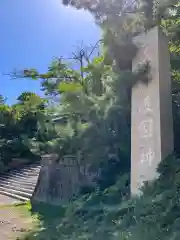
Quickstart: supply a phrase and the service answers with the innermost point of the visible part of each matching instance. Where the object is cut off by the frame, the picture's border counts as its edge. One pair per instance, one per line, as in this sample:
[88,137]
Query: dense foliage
[92,110]
[94,101]
[102,215]
[16,123]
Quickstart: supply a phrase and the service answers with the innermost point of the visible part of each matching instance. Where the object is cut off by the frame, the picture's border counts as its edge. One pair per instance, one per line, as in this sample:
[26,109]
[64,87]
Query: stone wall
[60,181]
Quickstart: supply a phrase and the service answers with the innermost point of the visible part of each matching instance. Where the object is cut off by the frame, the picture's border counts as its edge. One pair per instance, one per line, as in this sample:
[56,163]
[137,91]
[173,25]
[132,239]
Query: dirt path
[13,222]
[4,200]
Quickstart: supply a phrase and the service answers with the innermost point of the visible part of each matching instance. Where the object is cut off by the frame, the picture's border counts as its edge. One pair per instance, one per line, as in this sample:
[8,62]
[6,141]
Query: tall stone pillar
[151,113]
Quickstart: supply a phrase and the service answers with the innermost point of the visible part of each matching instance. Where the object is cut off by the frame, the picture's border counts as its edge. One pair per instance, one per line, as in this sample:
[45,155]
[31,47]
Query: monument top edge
[142,37]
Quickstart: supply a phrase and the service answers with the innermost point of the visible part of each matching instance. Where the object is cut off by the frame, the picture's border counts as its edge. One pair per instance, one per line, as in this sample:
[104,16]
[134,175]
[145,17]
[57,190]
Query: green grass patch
[46,211]
[13,205]
[46,217]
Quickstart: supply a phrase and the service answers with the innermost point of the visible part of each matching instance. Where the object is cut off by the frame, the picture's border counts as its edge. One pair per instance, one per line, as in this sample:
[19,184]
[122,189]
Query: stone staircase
[20,183]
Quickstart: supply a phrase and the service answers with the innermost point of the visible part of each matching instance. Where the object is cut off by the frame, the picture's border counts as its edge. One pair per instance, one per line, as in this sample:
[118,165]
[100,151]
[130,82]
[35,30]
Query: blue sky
[35,31]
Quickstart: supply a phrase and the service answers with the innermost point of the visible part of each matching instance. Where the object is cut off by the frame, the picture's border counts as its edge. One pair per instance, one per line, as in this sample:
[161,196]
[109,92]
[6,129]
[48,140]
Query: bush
[101,214]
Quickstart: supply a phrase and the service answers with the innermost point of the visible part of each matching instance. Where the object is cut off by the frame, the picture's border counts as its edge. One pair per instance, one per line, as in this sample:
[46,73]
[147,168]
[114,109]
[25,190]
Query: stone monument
[60,180]
[151,110]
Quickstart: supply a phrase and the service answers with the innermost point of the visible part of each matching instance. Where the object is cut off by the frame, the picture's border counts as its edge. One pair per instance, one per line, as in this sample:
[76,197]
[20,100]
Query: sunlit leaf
[69,87]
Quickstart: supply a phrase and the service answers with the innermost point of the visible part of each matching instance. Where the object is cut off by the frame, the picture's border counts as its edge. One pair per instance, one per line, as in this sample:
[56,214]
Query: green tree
[109,213]
[94,110]
[17,122]
[2,100]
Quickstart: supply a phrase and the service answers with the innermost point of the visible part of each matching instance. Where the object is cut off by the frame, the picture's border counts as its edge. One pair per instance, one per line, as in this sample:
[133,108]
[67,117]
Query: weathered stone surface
[151,113]
[60,181]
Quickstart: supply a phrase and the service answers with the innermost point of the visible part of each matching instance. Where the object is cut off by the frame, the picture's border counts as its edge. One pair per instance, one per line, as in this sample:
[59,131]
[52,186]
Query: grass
[45,218]
[20,221]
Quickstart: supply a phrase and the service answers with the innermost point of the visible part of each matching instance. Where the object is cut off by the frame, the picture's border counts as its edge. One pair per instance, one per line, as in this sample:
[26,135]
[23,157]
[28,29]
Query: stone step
[10,180]
[21,198]
[16,192]
[20,183]
[23,174]
[31,167]
[17,187]
[11,176]
[34,165]
[23,171]
[27,170]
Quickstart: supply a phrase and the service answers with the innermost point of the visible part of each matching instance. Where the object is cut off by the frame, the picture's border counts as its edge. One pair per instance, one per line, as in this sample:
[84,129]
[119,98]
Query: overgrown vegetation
[93,105]
[17,122]
[102,215]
